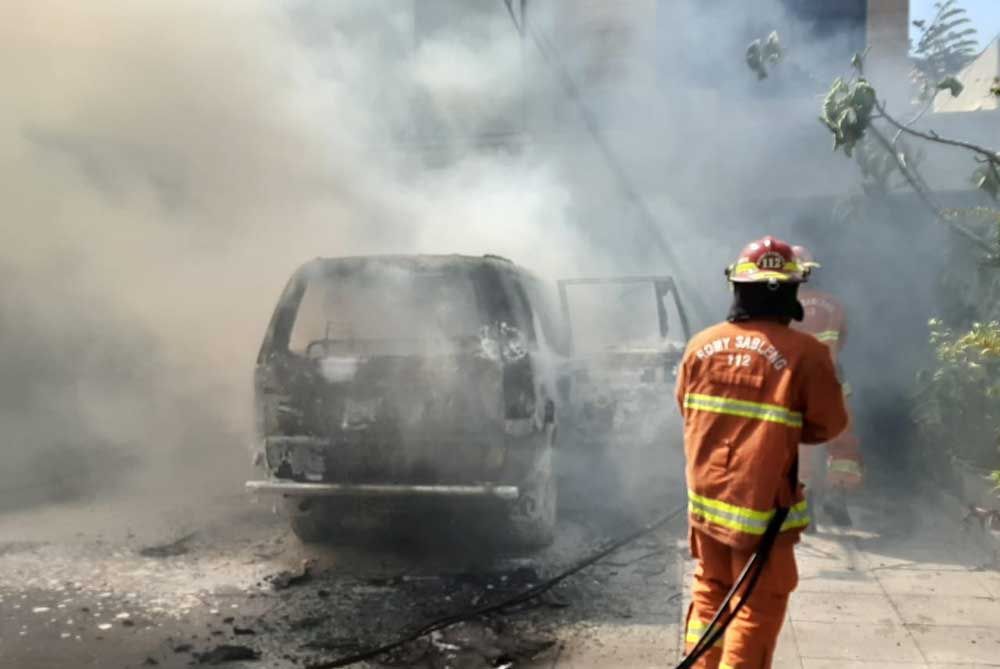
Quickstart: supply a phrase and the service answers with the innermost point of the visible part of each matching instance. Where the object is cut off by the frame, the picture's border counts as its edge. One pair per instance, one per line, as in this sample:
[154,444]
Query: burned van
[400,381]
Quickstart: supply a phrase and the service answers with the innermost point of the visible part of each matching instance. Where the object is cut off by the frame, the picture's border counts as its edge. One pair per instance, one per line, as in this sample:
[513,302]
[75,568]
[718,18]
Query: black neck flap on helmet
[762,300]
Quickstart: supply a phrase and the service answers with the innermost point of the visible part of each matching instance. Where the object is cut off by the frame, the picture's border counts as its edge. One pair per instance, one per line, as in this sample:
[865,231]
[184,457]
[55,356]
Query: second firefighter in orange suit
[750,391]
[826,319]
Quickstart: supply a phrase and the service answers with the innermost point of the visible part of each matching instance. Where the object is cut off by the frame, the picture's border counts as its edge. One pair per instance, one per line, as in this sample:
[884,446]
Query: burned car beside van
[399,381]
[618,414]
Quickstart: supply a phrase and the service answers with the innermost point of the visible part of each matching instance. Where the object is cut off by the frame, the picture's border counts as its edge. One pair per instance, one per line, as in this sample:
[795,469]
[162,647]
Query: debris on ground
[173,549]
[987,518]
[307,623]
[487,643]
[287,579]
[11,547]
[340,643]
[227,653]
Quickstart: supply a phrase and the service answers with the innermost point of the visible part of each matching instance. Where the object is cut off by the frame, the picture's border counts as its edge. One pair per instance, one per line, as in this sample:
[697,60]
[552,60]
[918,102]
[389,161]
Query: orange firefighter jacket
[750,393]
[824,319]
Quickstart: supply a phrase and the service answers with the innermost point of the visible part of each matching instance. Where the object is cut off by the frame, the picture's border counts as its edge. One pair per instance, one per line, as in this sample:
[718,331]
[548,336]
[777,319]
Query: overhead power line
[651,226]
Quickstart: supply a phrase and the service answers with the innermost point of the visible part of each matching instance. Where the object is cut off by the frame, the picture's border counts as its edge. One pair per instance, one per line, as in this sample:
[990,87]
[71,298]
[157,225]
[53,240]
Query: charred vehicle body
[617,410]
[403,380]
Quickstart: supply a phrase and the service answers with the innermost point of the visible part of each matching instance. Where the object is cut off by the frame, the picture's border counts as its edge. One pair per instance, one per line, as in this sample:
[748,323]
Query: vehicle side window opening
[661,309]
[504,302]
[507,304]
[279,330]
[672,312]
[606,316]
[551,330]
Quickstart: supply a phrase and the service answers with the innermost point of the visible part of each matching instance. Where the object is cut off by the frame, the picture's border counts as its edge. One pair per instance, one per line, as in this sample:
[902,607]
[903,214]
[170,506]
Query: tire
[532,521]
[311,530]
[313,521]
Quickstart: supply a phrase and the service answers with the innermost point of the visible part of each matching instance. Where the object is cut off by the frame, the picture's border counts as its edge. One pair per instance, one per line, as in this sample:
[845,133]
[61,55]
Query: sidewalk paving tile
[952,611]
[843,608]
[634,646]
[911,582]
[786,655]
[841,664]
[941,643]
[832,580]
[859,642]
[834,576]
[916,599]
[925,558]
[992,579]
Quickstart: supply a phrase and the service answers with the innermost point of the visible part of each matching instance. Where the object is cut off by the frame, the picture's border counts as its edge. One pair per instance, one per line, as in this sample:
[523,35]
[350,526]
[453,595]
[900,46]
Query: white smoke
[167,165]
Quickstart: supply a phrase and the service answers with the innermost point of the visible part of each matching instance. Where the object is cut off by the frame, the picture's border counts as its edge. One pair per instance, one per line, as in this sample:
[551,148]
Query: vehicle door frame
[662,287]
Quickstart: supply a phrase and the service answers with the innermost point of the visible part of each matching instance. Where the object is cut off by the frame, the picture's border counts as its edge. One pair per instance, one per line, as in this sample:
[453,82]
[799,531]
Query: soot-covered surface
[240,590]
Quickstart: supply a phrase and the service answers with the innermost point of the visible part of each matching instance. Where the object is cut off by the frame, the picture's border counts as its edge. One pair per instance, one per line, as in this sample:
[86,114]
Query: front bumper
[296,489]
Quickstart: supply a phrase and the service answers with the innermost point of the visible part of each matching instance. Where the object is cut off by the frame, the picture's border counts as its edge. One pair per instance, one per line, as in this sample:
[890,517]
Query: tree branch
[919,115]
[990,156]
[905,171]
[923,193]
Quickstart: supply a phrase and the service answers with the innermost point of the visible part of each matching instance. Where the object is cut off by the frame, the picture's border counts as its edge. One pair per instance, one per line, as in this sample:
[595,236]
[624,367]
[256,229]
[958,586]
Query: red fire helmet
[805,258]
[767,260]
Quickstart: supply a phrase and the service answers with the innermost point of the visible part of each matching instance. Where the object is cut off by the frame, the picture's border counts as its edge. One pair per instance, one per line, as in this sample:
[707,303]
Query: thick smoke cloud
[168,164]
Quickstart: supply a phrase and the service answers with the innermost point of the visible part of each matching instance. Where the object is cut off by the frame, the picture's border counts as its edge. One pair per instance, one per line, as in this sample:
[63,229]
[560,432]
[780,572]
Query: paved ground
[909,587]
[79,587]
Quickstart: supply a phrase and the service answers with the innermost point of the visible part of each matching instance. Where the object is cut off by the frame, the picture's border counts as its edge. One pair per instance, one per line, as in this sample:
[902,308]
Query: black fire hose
[527,595]
[752,570]
[716,628]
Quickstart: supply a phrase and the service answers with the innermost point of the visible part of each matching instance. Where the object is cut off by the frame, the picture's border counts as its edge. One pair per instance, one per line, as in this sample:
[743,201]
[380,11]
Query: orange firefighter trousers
[751,638]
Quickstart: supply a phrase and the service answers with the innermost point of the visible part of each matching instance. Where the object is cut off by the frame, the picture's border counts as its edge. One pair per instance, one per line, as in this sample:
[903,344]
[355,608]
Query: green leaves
[958,400]
[762,54]
[946,44]
[951,84]
[772,50]
[978,347]
[847,111]
[878,166]
[755,59]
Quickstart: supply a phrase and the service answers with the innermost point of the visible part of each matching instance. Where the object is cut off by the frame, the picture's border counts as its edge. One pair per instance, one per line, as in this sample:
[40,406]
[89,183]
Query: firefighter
[750,391]
[825,319]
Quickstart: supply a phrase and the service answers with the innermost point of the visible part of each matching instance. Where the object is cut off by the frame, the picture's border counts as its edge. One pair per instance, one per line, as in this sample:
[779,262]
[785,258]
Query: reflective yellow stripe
[828,335]
[844,467]
[696,630]
[752,267]
[725,507]
[798,517]
[743,519]
[732,407]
